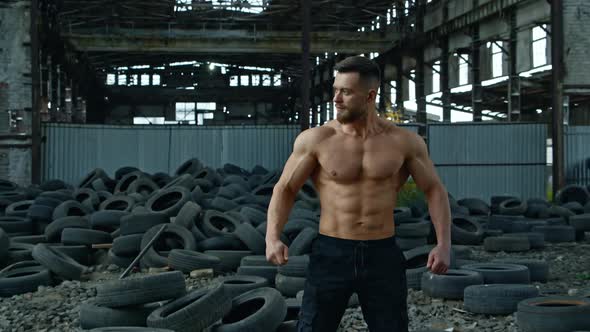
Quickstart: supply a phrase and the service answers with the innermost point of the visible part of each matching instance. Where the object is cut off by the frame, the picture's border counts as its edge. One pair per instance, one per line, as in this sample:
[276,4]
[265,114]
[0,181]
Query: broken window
[249,6]
[412,86]
[185,111]
[133,79]
[463,69]
[156,79]
[244,80]
[497,59]
[210,106]
[183,5]
[255,80]
[233,80]
[539,46]
[111,79]
[139,120]
[436,77]
[145,79]
[202,116]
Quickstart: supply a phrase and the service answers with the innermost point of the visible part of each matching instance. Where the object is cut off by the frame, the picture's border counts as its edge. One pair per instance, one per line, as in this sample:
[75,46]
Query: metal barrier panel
[485,159]
[71,151]
[473,160]
[245,146]
[577,155]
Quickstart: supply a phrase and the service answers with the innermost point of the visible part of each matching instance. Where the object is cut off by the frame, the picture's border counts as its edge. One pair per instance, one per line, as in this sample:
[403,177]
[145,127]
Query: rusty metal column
[323,111]
[400,15]
[444,70]
[58,99]
[35,93]
[399,83]
[444,80]
[420,96]
[382,90]
[557,83]
[50,85]
[420,72]
[305,65]
[514,82]
[476,92]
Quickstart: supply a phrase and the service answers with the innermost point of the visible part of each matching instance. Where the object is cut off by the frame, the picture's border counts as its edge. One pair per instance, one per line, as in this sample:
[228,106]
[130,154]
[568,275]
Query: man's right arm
[297,170]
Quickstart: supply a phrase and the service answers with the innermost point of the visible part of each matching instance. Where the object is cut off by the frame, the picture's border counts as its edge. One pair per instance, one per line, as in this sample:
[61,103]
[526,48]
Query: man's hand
[439,260]
[277,252]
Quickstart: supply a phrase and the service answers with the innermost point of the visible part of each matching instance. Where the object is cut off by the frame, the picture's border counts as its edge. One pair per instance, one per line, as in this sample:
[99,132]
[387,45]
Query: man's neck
[364,127]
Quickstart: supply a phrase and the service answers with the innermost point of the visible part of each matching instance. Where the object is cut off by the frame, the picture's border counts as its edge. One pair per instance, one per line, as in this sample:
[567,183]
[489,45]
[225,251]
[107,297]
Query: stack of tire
[564,220]
[213,219]
[410,231]
[161,301]
[216,219]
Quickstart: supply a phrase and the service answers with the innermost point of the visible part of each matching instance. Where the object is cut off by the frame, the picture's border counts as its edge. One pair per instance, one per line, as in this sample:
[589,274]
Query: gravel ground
[56,308]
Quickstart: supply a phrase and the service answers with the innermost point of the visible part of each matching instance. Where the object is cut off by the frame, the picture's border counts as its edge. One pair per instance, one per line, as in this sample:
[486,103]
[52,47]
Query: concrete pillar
[476,92]
[557,31]
[514,81]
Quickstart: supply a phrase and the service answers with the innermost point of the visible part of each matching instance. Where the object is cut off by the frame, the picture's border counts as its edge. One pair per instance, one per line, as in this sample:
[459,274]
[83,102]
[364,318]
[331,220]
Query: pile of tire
[161,301]
[213,219]
[502,286]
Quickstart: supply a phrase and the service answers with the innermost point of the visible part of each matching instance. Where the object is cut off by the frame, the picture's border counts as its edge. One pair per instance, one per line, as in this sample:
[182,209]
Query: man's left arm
[422,170]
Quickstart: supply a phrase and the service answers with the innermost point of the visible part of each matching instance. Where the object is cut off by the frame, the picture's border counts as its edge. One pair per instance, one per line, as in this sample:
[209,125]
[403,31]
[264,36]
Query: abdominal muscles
[357,210]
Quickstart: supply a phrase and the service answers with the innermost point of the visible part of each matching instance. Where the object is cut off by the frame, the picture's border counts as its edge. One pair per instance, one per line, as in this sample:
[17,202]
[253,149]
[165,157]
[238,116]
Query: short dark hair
[368,69]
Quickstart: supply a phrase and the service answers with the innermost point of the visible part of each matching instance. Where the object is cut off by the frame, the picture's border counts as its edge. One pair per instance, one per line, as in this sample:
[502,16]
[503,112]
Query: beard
[349,115]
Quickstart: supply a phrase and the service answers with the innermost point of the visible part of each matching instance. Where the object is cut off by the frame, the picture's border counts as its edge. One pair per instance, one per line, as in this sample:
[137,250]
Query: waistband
[380,243]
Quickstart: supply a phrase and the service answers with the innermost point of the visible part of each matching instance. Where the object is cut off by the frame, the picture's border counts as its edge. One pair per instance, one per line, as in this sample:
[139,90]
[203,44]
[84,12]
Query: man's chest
[350,159]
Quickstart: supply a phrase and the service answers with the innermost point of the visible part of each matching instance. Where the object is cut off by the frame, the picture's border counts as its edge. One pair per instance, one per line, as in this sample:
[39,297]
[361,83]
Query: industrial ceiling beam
[220,42]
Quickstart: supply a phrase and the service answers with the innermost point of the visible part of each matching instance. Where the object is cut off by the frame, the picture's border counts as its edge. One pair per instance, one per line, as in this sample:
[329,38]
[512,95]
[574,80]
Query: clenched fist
[277,252]
[439,260]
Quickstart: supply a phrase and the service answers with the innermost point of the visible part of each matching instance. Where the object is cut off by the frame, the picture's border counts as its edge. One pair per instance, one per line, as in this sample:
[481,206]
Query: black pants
[373,269]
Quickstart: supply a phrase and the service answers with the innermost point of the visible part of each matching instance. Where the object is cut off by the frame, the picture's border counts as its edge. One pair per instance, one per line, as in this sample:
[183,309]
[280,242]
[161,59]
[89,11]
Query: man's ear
[372,95]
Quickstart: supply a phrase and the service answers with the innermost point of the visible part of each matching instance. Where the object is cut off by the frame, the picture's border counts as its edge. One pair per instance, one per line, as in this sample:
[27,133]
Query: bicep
[299,166]
[421,168]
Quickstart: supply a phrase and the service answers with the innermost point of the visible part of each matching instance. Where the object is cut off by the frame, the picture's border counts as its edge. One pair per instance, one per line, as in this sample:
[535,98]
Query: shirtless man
[358,165]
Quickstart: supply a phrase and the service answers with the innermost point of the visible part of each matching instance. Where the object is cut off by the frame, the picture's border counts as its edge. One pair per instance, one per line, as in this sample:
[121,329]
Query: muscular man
[358,164]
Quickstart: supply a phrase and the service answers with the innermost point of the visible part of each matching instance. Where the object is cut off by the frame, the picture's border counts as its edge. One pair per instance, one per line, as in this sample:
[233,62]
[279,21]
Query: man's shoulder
[316,135]
[401,133]
[406,141]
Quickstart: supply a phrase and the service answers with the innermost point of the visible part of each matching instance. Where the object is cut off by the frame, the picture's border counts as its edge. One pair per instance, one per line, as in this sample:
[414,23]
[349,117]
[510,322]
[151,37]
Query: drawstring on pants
[361,245]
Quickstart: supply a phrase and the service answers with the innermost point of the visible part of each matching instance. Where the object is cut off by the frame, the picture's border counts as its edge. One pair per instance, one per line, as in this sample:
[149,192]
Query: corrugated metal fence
[485,159]
[577,155]
[473,160]
[71,151]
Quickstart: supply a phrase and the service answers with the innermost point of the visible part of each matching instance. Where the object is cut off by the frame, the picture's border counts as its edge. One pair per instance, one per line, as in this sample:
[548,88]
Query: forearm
[438,206]
[279,208]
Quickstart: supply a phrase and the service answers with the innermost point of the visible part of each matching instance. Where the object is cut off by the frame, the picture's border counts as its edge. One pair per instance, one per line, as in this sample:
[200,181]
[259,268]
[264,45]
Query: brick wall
[15,57]
[576,16]
[15,86]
